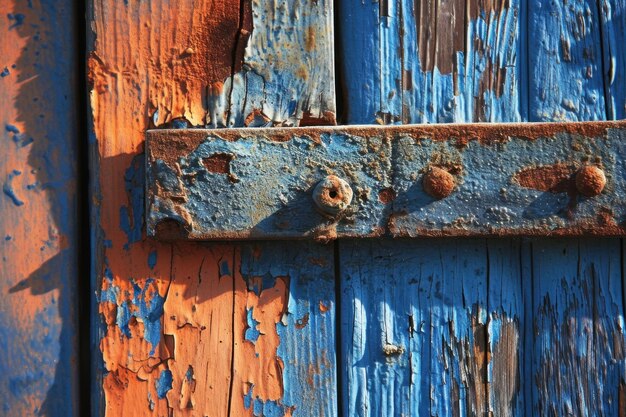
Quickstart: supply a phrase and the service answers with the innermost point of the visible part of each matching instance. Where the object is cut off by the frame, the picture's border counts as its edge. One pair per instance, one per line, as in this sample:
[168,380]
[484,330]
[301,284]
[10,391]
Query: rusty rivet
[332,195]
[438,183]
[590,181]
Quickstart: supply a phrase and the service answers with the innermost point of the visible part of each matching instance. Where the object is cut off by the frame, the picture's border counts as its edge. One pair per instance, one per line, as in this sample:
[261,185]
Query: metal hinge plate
[539,179]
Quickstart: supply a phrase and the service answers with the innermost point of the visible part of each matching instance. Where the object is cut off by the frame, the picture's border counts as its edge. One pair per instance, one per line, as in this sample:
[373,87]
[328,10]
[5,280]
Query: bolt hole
[332,194]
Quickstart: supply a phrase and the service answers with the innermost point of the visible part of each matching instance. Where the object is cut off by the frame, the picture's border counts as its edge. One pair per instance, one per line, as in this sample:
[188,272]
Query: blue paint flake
[164,383]
[7,188]
[131,216]
[5,72]
[12,129]
[149,309]
[252,333]
[17,19]
[152,259]
[7,237]
[224,269]
[189,374]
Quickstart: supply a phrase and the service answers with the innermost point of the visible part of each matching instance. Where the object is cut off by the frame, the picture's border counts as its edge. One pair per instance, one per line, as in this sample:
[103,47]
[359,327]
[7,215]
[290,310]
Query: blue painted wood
[565,62]
[414,327]
[38,209]
[461,62]
[577,307]
[506,333]
[578,349]
[430,61]
[613,30]
[306,329]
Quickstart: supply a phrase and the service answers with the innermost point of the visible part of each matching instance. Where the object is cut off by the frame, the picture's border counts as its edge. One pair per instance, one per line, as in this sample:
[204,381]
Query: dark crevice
[488,307]
[232,335]
[608,105]
[83,292]
[338,333]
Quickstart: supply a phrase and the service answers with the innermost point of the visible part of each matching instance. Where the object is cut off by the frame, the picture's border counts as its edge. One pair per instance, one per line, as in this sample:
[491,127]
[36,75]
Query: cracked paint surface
[172,318]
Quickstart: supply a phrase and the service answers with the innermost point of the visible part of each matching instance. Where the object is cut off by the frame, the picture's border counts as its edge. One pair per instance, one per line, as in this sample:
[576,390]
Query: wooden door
[439,327]
[421,327]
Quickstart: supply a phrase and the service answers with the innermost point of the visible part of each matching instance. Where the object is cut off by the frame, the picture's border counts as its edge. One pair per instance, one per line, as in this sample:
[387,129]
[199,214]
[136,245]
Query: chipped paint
[39,278]
[432,61]
[184,308]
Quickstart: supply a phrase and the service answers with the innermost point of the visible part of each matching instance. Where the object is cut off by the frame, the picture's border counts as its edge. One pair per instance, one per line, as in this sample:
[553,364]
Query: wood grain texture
[453,61]
[430,61]
[413,319]
[38,205]
[172,320]
[578,349]
[613,30]
[565,62]
[577,308]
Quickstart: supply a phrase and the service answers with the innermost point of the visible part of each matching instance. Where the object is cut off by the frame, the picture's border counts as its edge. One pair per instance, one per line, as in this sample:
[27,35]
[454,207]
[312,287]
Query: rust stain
[256,118]
[218,163]
[386,195]
[555,178]
[309,39]
[303,322]
[323,307]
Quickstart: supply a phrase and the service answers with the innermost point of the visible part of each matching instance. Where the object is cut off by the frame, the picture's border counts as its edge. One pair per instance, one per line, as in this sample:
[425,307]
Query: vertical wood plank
[434,61]
[39,89]
[506,371]
[174,320]
[577,307]
[578,352]
[565,61]
[430,61]
[613,18]
[413,317]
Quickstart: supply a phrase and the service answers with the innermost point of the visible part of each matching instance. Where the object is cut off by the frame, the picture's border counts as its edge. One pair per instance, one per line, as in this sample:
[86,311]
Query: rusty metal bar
[531,179]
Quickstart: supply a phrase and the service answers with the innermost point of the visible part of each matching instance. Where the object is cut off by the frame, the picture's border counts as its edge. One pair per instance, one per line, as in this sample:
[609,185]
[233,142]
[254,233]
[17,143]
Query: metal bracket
[543,179]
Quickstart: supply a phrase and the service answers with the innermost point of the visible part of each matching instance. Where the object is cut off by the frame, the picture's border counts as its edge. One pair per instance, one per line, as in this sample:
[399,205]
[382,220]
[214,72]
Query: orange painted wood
[192,329]
[39,247]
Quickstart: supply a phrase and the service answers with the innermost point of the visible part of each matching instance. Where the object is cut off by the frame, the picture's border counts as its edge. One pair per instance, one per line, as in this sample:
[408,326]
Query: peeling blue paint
[252,333]
[164,383]
[149,311]
[17,19]
[5,72]
[152,259]
[8,190]
[225,269]
[131,216]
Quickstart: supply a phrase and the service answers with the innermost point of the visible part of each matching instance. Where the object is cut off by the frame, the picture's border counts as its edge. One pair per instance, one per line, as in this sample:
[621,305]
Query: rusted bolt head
[590,181]
[438,183]
[332,195]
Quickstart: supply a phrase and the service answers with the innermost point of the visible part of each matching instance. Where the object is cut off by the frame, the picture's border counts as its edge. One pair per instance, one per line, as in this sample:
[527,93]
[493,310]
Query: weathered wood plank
[414,328]
[460,62]
[172,319]
[566,81]
[577,307]
[38,223]
[430,61]
[613,18]
[506,338]
[578,352]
